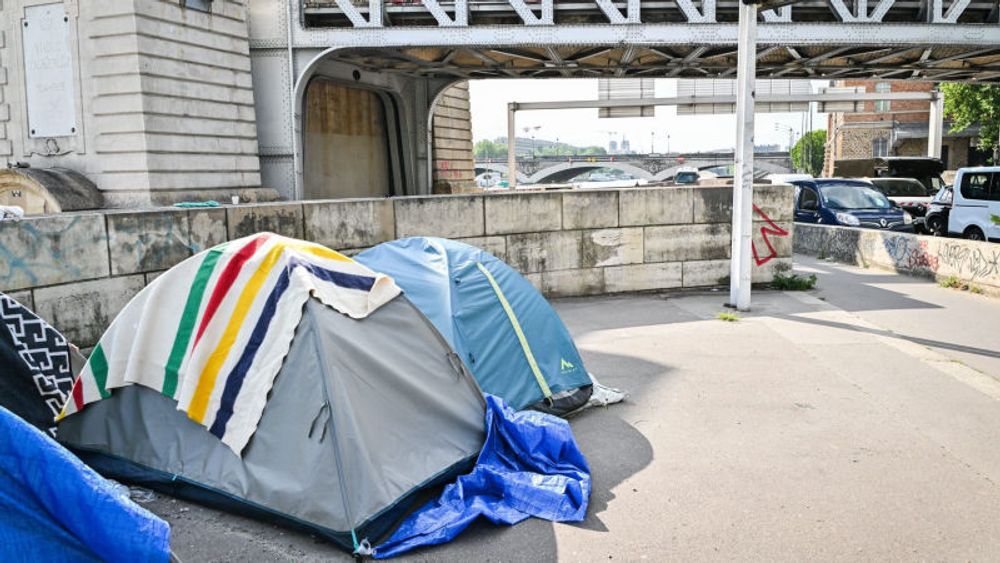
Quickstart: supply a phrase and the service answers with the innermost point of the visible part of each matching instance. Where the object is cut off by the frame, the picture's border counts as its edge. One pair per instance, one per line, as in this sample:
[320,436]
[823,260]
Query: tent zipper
[362,546]
[517,330]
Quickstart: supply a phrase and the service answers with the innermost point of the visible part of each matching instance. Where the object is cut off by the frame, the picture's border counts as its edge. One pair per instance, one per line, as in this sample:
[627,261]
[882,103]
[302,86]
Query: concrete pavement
[802,431]
[961,325]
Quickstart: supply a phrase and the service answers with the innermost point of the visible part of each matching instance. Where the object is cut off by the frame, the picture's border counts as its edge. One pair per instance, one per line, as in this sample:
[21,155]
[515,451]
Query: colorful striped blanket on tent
[212,332]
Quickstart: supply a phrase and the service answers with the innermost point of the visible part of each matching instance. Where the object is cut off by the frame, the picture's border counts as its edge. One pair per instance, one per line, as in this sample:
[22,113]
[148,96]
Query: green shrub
[793,282]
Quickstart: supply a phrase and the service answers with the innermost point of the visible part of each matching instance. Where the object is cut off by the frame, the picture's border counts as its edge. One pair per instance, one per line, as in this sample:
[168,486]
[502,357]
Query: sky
[582,127]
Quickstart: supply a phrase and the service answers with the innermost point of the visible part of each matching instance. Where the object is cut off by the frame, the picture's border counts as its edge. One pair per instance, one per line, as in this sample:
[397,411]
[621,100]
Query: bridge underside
[683,61]
[894,39]
[406,52]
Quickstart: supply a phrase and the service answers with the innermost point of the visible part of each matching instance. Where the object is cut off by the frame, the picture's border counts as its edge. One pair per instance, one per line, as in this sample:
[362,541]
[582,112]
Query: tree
[489,149]
[807,154]
[968,104]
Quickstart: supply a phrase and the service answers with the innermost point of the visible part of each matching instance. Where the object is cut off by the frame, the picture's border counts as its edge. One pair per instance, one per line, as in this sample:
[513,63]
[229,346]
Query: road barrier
[969,264]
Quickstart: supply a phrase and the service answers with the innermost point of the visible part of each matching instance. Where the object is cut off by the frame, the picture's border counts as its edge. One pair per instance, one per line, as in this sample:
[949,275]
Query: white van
[976,203]
[787,178]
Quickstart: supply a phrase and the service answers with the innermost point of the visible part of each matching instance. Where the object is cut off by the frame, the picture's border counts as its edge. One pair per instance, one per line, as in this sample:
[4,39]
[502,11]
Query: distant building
[626,149]
[894,128]
[774,147]
[613,147]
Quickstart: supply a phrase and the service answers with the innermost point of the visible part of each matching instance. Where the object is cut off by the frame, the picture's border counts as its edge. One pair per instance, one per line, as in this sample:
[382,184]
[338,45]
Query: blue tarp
[447,280]
[530,465]
[55,508]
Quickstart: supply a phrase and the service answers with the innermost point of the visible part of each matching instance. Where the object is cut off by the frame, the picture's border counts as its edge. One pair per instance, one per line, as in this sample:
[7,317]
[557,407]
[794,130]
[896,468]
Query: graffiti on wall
[910,253]
[968,260]
[769,229]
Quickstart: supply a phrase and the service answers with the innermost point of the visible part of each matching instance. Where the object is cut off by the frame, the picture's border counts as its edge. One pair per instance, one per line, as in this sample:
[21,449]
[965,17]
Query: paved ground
[960,325]
[802,431]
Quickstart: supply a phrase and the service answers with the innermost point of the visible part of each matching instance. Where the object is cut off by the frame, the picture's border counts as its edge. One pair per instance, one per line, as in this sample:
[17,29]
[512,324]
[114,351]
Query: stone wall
[454,166]
[976,264]
[79,269]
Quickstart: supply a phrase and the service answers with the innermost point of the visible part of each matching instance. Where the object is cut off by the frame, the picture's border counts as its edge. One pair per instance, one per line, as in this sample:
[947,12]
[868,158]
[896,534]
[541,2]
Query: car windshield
[901,188]
[687,177]
[944,195]
[853,196]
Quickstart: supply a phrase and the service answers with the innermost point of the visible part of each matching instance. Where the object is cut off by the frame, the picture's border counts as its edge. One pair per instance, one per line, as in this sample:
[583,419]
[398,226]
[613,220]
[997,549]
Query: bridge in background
[651,167]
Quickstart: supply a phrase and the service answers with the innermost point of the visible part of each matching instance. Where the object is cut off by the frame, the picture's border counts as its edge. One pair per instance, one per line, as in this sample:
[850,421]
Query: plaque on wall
[48,72]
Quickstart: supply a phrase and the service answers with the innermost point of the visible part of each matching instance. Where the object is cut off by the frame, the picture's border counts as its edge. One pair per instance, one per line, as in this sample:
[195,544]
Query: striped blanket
[212,332]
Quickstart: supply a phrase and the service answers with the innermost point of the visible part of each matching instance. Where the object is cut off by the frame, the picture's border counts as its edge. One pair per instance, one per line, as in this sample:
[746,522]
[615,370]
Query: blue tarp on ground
[529,466]
[55,508]
[463,290]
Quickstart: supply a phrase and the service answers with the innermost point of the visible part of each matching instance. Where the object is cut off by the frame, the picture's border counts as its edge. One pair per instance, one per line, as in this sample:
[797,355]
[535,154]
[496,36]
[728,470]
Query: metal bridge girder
[615,16]
[706,15]
[528,16]
[461,18]
[939,15]
[358,20]
[861,13]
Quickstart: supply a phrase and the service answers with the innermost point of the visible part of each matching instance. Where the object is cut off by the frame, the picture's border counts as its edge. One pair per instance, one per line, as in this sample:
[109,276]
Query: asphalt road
[801,432]
[961,325]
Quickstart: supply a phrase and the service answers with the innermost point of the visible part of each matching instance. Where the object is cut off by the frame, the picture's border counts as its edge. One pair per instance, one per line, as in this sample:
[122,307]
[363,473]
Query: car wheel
[974,233]
[935,226]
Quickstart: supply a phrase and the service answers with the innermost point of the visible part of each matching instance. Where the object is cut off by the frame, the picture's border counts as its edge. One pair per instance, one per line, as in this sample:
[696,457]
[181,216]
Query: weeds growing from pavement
[728,317]
[793,282]
[951,282]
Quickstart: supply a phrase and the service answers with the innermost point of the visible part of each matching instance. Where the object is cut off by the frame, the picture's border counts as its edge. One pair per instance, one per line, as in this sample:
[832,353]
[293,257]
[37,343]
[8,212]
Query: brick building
[894,128]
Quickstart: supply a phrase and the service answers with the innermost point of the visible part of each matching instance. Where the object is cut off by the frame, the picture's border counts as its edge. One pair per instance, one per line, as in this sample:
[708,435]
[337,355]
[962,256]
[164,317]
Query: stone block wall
[976,264]
[454,167]
[79,269]
[164,105]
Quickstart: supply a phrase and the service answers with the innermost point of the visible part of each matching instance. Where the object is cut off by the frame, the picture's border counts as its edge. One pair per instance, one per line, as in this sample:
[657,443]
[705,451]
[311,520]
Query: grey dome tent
[363,415]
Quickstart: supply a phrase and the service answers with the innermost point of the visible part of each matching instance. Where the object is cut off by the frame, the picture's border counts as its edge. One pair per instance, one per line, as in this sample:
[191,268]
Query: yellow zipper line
[517,329]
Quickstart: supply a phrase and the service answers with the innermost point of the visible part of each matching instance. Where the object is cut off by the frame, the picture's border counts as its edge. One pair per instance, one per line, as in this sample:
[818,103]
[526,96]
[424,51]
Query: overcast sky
[582,126]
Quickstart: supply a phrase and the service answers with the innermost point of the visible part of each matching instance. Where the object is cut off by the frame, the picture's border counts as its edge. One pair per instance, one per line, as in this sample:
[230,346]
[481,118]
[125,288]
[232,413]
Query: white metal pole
[746,71]
[511,146]
[935,127]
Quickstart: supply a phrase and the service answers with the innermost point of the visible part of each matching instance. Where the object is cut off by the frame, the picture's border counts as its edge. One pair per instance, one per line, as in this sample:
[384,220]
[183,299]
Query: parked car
[936,219]
[907,193]
[975,210]
[926,170]
[850,203]
[686,175]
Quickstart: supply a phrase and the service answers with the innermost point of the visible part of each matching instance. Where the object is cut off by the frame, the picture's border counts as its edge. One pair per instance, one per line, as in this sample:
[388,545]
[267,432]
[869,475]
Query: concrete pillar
[746,72]
[511,146]
[935,126]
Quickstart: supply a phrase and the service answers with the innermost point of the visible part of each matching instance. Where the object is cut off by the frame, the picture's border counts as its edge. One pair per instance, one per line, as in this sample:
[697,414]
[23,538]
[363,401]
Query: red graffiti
[771,228]
[920,258]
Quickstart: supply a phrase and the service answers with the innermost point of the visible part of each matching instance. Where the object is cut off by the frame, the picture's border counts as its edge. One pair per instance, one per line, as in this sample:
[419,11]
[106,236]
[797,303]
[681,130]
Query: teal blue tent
[509,336]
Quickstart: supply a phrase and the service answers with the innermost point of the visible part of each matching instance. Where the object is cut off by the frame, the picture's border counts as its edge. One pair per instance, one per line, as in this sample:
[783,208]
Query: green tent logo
[565,366]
